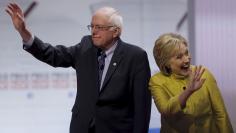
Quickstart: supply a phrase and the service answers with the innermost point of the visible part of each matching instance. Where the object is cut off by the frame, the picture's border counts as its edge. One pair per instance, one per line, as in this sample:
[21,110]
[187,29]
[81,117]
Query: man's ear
[117,32]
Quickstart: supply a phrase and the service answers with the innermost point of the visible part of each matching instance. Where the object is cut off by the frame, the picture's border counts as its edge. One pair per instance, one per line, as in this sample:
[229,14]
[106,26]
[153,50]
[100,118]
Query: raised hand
[17,16]
[18,20]
[194,84]
[196,81]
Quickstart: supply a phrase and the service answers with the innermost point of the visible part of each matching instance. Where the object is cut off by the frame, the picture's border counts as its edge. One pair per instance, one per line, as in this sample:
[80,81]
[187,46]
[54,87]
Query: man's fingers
[20,17]
[17,6]
[14,5]
[14,10]
[9,12]
[10,8]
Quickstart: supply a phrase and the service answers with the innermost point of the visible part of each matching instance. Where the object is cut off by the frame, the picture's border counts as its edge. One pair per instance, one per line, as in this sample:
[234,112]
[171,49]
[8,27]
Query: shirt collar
[111,49]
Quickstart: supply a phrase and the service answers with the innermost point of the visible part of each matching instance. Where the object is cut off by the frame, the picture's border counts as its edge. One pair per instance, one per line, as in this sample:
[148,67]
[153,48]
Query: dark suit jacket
[124,103]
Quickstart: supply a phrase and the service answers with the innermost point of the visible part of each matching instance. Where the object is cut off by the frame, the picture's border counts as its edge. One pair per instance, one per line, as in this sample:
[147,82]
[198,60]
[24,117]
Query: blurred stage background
[35,97]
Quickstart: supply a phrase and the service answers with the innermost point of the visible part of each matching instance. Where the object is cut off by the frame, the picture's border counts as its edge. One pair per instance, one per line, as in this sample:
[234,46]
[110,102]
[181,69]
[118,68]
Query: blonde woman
[187,96]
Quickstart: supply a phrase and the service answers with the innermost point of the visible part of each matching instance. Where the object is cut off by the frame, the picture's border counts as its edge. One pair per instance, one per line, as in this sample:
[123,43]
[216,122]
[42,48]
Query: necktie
[101,64]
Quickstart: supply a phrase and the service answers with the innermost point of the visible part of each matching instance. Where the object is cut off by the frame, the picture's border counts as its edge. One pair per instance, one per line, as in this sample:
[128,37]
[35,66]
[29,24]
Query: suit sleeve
[222,120]
[56,56]
[141,96]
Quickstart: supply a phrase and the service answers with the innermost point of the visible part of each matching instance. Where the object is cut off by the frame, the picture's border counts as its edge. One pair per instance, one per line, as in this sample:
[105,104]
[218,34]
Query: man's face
[180,62]
[103,33]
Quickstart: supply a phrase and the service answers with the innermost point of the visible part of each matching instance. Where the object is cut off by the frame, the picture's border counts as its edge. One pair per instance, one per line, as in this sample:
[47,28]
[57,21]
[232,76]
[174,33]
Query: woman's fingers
[199,70]
[202,81]
[196,80]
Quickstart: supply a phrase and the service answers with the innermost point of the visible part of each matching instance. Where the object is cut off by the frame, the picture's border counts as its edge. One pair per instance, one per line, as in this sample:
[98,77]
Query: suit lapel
[116,58]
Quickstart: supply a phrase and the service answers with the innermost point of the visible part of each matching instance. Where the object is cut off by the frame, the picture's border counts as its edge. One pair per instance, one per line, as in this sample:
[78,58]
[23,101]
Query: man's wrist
[30,41]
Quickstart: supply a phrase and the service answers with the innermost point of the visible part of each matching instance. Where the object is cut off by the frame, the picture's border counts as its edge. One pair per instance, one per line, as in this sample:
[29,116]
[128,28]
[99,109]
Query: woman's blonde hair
[164,48]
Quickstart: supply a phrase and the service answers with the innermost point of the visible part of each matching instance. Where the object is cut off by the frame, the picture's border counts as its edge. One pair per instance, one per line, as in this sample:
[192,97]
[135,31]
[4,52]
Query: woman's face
[180,61]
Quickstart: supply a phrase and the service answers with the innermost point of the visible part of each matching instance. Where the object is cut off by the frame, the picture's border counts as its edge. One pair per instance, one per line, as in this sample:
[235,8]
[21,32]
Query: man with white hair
[112,76]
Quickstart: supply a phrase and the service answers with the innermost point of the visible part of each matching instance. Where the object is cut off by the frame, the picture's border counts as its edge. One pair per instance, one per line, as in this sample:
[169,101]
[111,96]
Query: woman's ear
[168,69]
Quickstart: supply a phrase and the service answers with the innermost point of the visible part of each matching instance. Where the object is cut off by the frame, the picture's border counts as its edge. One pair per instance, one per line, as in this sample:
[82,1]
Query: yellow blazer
[204,112]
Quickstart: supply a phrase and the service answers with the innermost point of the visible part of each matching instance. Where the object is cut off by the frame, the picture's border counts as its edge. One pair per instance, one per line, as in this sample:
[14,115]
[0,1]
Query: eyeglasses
[99,27]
